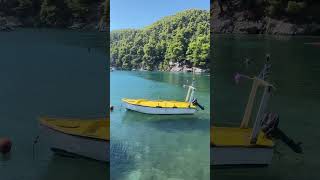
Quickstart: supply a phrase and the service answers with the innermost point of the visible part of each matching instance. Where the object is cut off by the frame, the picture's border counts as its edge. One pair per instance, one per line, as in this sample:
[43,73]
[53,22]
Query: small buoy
[5,145]
[111,108]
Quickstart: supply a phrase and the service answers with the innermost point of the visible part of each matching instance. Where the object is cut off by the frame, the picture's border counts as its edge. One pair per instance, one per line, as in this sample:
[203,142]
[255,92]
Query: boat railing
[190,93]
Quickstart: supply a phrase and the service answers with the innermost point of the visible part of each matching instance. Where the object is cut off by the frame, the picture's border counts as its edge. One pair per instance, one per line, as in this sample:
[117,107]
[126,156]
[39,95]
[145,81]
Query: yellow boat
[245,145]
[84,137]
[189,106]
[254,145]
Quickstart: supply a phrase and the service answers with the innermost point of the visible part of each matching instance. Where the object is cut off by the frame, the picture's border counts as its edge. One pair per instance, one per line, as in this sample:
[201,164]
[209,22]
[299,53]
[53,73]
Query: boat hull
[92,148]
[152,110]
[240,156]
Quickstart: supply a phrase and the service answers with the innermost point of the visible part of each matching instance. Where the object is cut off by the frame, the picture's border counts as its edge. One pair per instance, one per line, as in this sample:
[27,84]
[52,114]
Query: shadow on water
[242,173]
[60,167]
[168,123]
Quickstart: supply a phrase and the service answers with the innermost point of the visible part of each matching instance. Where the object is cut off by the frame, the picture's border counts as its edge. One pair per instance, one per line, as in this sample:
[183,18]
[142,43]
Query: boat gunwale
[244,146]
[44,123]
[160,106]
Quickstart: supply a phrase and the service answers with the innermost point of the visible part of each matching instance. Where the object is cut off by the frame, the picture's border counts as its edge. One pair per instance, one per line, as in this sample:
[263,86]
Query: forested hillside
[179,39]
[290,17]
[78,14]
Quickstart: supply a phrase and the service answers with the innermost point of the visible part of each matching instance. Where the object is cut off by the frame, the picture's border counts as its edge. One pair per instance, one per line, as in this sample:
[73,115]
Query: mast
[257,82]
[190,93]
[261,111]
[248,111]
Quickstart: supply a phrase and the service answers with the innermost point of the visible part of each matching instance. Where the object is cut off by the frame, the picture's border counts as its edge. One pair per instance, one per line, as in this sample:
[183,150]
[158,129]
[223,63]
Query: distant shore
[10,23]
[174,69]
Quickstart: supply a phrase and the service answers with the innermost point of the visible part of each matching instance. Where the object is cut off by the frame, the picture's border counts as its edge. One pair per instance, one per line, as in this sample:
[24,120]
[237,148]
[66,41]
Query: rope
[35,141]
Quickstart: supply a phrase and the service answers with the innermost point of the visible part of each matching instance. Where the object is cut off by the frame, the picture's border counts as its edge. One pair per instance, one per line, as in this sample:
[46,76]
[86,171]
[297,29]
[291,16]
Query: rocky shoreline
[174,68]
[10,23]
[240,22]
[179,67]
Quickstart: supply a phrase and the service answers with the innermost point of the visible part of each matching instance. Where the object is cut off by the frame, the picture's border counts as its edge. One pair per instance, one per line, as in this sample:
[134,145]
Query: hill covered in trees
[77,14]
[181,39]
[288,17]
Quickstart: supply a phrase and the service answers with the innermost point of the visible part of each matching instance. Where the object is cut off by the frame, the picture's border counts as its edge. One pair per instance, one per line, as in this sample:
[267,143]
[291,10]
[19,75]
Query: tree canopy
[294,10]
[183,38]
[53,12]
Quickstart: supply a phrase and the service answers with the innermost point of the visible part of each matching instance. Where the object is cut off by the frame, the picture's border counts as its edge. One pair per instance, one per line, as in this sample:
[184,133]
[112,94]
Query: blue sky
[140,13]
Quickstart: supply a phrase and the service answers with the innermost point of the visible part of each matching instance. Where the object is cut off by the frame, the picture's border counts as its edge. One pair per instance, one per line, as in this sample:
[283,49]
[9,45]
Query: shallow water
[295,73]
[158,146]
[49,72]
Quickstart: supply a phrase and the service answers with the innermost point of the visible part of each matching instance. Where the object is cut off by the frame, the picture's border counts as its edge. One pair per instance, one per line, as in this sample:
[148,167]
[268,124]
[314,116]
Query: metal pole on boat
[248,111]
[188,94]
[192,93]
[261,111]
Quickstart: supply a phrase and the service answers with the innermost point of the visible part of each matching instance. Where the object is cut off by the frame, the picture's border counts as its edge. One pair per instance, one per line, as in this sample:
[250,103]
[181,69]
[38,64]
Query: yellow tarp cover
[159,103]
[230,136]
[92,128]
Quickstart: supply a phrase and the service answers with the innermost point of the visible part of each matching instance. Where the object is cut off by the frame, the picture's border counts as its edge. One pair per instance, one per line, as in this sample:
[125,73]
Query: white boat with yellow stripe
[169,107]
[82,137]
[243,145]
[246,145]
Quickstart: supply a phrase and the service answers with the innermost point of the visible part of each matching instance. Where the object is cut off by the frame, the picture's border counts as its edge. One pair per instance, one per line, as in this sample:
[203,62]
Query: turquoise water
[158,146]
[295,73]
[49,72]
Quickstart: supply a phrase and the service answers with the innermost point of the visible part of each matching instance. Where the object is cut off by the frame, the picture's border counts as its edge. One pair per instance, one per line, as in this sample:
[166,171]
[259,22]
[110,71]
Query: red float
[5,145]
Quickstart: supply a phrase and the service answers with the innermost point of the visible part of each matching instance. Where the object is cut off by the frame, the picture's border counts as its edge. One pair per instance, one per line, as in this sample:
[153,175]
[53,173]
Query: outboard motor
[195,102]
[269,125]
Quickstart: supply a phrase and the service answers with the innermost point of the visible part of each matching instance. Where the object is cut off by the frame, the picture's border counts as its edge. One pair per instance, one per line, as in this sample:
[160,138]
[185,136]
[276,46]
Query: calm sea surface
[145,147]
[49,72]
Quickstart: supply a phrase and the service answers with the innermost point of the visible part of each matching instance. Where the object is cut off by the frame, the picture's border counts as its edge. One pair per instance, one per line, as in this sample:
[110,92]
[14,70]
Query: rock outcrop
[181,67]
[9,23]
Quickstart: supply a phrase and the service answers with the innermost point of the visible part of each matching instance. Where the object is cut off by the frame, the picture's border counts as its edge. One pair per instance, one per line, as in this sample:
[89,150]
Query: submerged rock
[4,25]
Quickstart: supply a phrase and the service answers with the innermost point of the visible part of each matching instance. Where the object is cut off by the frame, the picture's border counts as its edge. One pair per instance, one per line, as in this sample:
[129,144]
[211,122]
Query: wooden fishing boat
[246,145]
[83,137]
[189,106]
[243,145]
[159,106]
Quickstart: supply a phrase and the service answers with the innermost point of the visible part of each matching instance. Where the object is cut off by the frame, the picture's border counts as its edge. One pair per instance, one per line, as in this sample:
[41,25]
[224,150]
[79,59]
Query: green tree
[54,13]
[182,38]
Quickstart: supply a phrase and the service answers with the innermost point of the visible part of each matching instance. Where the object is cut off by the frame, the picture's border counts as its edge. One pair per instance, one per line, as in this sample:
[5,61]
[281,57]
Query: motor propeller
[195,102]
[269,126]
